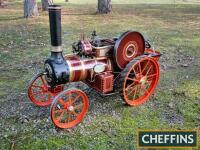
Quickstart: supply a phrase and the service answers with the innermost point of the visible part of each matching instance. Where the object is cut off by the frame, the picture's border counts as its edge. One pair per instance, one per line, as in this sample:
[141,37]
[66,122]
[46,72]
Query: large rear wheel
[138,80]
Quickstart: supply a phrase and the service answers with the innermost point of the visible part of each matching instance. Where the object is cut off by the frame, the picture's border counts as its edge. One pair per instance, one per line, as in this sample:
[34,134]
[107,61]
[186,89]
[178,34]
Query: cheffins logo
[167,139]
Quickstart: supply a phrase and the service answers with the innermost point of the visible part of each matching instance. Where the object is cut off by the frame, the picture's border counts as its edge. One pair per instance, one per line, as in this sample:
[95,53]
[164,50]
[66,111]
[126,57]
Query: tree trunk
[45,4]
[30,8]
[2,3]
[104,6]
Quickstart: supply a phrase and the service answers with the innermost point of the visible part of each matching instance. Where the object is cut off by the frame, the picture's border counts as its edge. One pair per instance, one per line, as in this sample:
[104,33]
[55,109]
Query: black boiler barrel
[55,27]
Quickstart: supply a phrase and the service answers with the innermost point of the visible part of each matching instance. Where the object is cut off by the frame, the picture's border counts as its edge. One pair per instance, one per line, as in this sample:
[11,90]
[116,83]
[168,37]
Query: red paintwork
[154,53]
[103,82]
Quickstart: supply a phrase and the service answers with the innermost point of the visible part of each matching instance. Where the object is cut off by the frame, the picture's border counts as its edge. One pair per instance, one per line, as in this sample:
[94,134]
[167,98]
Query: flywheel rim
[124,41]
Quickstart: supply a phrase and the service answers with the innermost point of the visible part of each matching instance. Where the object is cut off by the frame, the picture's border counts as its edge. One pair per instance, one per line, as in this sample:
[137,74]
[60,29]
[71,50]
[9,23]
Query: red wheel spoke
[132,79]
[74,113]
[77,97]
[70,96]
[139,67]
[148,84]
[61,115]
[69,117]
[132,90]
[149,81]
[42,96]
[129,86]
[145,90]
[36,93]
[78,106]
[37,86]
[145,67]
[135,92]
[152,75]
[135,72]
[58,111]
[43,82]
[141,92]
[139,89]
[61,101]
[148,70]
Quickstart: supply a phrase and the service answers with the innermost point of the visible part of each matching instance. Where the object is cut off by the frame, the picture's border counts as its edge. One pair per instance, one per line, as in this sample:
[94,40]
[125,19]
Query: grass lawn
[173,29]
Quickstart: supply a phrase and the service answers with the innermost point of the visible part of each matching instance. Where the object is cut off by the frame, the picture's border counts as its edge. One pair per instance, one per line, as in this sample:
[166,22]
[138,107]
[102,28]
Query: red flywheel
[128,46]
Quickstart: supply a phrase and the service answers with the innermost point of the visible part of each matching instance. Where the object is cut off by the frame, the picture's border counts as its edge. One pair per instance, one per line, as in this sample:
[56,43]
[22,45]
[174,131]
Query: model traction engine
[125,65]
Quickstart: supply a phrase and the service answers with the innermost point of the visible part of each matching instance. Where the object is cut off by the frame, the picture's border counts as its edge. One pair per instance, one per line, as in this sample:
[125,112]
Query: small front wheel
[40,93]
[69,108]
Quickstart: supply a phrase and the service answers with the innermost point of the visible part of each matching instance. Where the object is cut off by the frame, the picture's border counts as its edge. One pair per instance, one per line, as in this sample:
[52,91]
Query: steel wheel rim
[141,81]
[38,91]
[72,109]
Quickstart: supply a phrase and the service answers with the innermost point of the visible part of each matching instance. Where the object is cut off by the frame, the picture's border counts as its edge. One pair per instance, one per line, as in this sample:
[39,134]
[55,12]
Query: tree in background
[104,6]
[45,4]
[30,8]
[2,4]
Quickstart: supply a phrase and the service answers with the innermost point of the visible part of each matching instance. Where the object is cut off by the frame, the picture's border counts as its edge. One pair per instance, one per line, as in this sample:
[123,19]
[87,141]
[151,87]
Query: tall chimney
[55,27]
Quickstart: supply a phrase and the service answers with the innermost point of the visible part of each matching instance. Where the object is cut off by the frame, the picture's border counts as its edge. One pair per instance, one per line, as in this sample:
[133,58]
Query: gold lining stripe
[54,8]
[101,58]
[82,70]
[56,49]
[109,64]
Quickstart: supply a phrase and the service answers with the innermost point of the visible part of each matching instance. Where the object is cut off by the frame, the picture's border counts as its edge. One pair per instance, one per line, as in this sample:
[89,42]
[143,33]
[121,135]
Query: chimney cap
[53,7]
